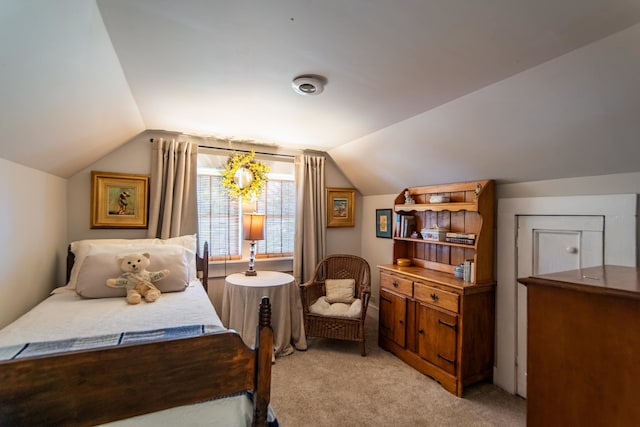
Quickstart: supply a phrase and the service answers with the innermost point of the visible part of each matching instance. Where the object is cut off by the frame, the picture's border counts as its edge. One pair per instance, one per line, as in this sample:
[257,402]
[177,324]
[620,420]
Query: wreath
[257,169]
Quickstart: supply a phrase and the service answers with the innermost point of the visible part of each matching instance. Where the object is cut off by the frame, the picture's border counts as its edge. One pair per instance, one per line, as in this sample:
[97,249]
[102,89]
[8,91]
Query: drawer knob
[434,297]
[395,284]
[421,331]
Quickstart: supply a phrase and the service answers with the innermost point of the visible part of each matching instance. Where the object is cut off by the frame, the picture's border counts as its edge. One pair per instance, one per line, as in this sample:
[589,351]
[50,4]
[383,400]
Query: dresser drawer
[436,297]
[397,284]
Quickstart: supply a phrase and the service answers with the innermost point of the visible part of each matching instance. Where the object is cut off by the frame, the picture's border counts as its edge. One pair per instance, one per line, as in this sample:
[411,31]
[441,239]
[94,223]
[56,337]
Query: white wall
[376,250]
[133,157]
[619,212]
[65,99]
[33,236]
[624,183]
[343,240]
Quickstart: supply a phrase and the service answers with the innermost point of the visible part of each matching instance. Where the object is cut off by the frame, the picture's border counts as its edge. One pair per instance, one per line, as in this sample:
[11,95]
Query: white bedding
[65,314]
[229,412]
[233,411]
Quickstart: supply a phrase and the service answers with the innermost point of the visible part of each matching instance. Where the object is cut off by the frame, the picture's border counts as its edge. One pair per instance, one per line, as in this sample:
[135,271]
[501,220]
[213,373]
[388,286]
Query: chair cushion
[340,290]
[338,309]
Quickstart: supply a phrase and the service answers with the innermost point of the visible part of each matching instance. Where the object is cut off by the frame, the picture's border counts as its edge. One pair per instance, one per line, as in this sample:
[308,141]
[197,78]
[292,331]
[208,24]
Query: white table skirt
[241,299]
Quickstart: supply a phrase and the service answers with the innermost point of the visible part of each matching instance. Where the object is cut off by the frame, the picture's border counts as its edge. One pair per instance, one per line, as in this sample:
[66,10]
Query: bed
[98,360]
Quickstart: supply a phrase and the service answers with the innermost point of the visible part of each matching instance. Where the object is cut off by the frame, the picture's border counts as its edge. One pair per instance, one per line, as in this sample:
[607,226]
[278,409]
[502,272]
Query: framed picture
[383,223]
[340,207]
[119,200]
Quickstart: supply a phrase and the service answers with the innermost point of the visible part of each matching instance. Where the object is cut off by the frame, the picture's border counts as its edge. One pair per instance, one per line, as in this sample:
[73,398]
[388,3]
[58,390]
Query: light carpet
[330,384]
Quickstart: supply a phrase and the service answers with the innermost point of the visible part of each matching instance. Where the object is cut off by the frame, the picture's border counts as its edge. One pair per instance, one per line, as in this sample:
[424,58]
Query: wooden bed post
[264,345]
[203,266]
[70,260]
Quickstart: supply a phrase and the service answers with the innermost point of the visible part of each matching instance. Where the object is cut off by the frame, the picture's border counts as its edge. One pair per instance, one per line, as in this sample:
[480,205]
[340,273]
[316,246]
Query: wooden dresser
[583,360]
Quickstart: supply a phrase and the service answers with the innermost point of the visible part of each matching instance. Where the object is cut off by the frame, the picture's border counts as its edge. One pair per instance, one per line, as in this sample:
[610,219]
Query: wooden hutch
[440,324]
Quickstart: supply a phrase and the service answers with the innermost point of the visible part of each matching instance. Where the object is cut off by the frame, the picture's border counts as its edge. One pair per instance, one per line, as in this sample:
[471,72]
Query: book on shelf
[460,238]
[468,271]
[405,224]
[408,225]
[461,235]
[459,241]
[398,225]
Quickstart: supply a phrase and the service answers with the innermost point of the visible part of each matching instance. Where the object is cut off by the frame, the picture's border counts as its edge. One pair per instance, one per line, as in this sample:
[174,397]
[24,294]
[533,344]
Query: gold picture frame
[340,207]
[119,200]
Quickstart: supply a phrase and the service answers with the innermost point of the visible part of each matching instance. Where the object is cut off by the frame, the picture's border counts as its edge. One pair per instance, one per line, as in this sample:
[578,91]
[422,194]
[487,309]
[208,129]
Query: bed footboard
[99,386]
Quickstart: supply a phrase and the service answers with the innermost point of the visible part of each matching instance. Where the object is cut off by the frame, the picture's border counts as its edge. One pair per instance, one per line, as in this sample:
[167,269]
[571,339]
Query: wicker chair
[342,328]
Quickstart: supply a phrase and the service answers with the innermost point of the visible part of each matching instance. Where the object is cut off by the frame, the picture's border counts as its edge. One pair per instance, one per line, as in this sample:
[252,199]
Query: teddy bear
[136,279]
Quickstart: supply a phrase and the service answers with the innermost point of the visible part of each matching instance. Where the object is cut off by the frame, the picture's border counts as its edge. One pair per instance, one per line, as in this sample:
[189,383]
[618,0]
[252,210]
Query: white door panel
[547,244]
[620,248]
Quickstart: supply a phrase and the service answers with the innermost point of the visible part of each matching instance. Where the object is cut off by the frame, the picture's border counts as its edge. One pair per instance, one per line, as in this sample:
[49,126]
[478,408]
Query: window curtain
[172,200]
[310,236]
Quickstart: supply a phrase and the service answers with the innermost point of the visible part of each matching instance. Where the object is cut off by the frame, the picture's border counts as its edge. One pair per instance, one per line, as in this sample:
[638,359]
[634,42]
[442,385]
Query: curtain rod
[244,151]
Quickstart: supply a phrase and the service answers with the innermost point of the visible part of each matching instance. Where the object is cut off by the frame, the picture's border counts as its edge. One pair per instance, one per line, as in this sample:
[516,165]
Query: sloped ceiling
[577,115]
[64,98]
[418,92]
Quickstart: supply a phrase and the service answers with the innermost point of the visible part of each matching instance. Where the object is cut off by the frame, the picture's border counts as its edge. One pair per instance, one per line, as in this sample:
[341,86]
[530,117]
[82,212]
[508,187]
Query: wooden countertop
[449,280]
[605,280]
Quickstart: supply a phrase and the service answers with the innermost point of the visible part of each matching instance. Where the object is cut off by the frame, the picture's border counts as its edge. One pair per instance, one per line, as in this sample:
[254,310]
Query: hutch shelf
[438,323]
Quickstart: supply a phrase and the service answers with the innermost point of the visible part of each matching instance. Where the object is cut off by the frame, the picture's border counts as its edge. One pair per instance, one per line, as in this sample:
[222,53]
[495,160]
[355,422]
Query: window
[278,202]
[217,218]
[220,216]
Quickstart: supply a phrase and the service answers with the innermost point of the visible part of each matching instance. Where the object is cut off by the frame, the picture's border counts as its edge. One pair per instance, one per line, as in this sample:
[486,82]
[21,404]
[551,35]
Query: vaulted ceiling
[418,91]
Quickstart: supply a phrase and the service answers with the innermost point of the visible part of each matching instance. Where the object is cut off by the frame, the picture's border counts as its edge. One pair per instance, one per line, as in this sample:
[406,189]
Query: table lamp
[253,229]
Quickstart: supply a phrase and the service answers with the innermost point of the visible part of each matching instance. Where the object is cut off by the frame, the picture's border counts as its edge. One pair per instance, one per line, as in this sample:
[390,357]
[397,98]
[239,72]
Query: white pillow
[190,242]
[93,274]
[80,249]
[340,290]
[101,263]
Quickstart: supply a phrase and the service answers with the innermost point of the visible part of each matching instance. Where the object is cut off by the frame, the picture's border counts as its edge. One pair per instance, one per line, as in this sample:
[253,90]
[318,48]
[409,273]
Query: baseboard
[373,312]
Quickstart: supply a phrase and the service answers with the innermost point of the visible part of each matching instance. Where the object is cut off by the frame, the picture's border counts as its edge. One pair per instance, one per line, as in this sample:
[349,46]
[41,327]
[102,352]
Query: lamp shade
[253,226]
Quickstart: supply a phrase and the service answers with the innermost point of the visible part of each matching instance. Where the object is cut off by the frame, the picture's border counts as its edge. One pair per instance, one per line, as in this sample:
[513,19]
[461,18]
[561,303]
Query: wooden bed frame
[98,386]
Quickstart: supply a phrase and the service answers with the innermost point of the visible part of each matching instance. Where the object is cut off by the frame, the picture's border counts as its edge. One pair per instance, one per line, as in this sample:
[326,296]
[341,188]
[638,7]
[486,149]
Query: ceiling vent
[308,85]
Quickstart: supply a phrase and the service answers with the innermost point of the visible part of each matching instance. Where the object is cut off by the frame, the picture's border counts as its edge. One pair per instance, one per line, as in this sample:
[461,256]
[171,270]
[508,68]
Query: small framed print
[119,200]
[383,223]
[340,207]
